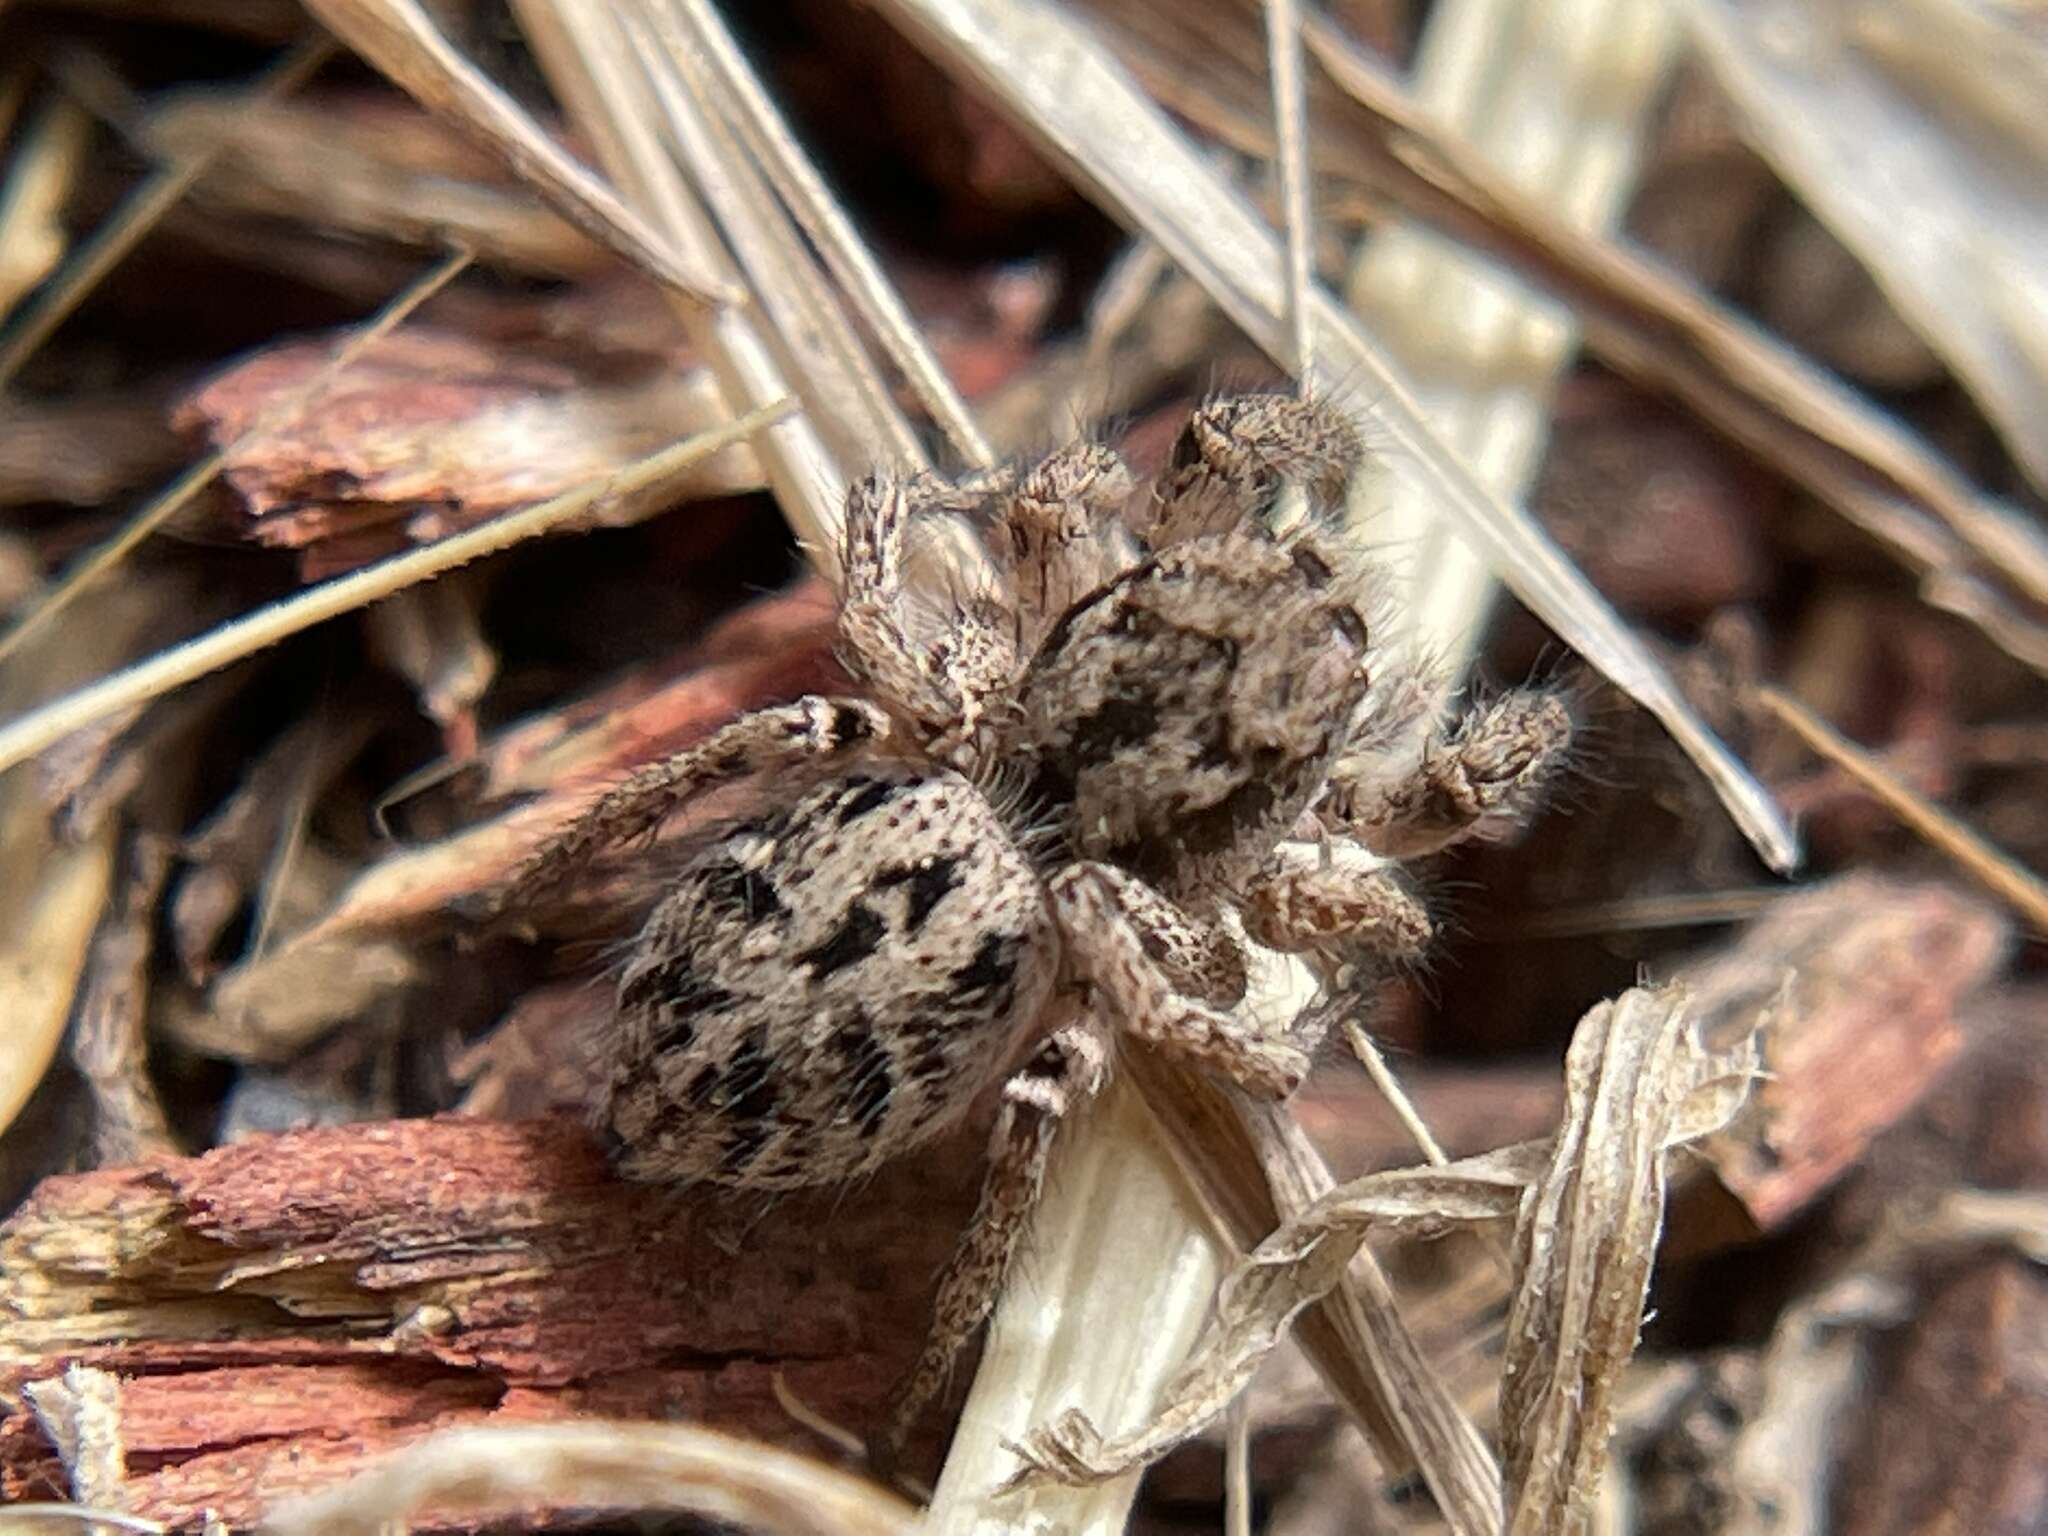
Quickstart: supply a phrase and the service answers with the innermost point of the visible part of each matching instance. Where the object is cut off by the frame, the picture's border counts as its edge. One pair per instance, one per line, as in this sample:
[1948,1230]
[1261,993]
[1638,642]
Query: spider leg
[947,670]
[874,611]
[1094,905]
[1061,535]
[1479,777]
[808,729]
[1332,903]
[1199,957]
[1234,457]
[1069,1067]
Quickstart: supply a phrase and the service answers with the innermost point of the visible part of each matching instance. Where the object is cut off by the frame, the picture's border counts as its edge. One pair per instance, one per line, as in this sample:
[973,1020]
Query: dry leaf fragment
[1638,1082]
[42,174]
[1588,1205]
[1882,970]
[109,1045]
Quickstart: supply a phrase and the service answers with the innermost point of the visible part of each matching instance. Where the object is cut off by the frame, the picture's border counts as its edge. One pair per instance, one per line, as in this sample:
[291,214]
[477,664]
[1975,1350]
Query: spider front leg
[942,669]
[1234,457]
[813,727]
[1068,1069]
[1105,915]
[1481,777]
[1331,903]
[1061,535]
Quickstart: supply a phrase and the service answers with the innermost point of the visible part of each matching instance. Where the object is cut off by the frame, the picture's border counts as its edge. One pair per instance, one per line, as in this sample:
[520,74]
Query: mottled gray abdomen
[829,985]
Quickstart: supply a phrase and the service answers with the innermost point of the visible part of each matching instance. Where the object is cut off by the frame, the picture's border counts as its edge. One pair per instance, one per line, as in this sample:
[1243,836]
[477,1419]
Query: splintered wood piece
[279,1310]
[1872,972]
[434,432]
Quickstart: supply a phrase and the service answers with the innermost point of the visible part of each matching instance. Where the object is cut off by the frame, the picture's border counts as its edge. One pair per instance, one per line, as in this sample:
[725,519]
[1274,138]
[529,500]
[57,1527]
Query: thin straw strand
[185,663]
[181,490]
[2009,879]
[38,319]
[846,255]
[1290,133]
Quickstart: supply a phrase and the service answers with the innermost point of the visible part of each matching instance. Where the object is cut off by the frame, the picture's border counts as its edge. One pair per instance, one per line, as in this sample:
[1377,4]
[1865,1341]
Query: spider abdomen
[827,986]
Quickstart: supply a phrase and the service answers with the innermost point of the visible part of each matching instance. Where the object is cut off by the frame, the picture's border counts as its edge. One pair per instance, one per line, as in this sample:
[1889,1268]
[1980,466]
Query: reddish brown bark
[280,1309]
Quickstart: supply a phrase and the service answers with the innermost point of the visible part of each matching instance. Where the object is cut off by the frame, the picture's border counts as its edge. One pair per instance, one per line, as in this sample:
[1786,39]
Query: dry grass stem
[389,1316]
[400,39]
[1357,1336]
[1374,1060]
[826,224]
[1587,1206]
[1074,1322]
[617,1466]
[605,89]
[280,413]
[1237,1470]
[382,169]
[1554,100]
[1976,557]
[1941,84]
[842,386]
[1850,454]
[1290,132]
[1398,1393]
[34,324]
[42,1517]
[2008,879]
[25,737]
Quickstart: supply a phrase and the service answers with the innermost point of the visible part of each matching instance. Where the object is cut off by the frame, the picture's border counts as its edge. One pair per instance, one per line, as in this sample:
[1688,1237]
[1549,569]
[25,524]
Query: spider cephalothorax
[1036,822]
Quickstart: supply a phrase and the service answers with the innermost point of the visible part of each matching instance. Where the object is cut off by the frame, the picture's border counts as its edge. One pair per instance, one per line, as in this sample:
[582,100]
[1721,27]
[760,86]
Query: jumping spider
[1031,827]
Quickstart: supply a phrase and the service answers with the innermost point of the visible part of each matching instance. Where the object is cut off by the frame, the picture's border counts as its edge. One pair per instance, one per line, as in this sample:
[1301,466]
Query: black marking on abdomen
[743,1143]
[703,1088]
[868,794]
[926,883]
[1116,723]
[857,937]
[1351,627]
[869,1080]
[748,1098]
[979,983]
[1225,823]
[729,887]
[849,724]
[932,1060]
[673,985]
[1310,566]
